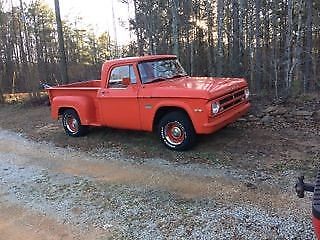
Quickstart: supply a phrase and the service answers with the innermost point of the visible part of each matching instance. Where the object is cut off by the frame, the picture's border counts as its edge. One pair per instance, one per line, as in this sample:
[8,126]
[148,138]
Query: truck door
[118,101]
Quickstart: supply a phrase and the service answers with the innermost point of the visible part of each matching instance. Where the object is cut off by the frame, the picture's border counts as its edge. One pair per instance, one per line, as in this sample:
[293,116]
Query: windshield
[160,70]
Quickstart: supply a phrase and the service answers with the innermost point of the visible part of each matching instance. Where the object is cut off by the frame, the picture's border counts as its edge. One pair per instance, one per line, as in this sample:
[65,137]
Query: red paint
[136,105]
[316,226]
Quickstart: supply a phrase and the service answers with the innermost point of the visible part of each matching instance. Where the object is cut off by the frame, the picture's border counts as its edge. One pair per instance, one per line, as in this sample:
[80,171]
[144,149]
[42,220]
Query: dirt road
[47,192]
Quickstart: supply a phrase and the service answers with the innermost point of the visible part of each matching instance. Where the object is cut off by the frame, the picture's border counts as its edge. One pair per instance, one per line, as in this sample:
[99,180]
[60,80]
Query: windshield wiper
[159,79]
[177,75]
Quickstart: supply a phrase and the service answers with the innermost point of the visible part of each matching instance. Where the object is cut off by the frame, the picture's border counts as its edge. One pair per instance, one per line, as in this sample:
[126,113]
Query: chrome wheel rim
[174,133]
[71,123]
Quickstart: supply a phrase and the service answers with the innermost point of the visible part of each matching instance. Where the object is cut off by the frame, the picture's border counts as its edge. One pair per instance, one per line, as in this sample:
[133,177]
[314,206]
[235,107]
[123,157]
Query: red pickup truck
[151,93]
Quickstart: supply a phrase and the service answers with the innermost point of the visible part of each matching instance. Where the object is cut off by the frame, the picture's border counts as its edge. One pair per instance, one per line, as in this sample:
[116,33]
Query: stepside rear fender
[84,106]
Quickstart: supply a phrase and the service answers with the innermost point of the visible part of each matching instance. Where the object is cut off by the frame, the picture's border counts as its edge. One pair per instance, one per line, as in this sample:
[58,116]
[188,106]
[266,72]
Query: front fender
[83,105]
[188,107]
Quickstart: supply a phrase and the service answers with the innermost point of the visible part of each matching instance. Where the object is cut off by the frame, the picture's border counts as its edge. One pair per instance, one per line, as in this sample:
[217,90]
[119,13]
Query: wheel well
[165,110]
[61,110]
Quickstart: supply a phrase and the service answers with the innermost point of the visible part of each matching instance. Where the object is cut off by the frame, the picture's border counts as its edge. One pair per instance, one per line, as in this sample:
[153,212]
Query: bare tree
[235,38]
[309,76]
[210,19]
[115,29]
[63,59]
[174,12]
[138,28]
[220,16]
[275,44]
[258,63]
[288,43]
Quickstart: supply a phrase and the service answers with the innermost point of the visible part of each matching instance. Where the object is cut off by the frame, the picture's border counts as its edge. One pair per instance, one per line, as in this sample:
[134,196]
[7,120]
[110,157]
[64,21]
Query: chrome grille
[232,99]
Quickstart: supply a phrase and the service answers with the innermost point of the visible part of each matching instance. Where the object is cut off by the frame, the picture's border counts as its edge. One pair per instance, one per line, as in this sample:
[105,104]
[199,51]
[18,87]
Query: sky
[97,13]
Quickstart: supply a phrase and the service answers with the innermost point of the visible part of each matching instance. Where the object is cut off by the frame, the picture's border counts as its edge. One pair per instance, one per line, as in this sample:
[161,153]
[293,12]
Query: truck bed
[88,88]
[86,84]
[77,95]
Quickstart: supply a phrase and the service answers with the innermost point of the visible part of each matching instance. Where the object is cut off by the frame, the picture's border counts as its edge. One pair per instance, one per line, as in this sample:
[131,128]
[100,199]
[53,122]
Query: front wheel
[176,131]
[72,125]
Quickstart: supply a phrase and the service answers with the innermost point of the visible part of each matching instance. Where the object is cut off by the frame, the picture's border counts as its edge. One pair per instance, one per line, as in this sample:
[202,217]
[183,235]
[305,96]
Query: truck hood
[196,87]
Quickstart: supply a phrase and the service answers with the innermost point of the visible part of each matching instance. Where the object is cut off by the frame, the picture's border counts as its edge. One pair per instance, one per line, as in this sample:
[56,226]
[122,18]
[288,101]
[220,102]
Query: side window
[118,74]
[132,75]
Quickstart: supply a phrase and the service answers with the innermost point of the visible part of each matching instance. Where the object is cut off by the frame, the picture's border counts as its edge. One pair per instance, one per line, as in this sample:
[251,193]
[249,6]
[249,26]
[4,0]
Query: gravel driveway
[48,192]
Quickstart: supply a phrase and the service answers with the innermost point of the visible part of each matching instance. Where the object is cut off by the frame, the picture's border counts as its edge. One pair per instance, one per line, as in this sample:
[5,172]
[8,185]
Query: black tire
[72,124]
[176,131]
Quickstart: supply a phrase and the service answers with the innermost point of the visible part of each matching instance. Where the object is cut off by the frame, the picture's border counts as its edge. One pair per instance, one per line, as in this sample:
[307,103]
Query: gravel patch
[135,212]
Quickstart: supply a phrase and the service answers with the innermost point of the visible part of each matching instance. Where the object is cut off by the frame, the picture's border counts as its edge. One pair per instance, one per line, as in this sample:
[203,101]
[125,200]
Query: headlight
[247,93]
[215,107]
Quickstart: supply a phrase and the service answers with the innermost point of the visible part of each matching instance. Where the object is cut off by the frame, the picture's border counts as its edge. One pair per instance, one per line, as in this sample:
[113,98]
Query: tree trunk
[309,75]
[23,42]
[210,37]
[275,62]
[220,16]
[298,49]
[175,33]
[63,59]
[235,58]
[115,30]
[242,31]
[138,29]
[258,64]
[288,57]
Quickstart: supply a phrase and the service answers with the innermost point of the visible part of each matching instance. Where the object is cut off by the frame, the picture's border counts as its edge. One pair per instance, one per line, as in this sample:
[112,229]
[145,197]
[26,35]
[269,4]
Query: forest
[275,44]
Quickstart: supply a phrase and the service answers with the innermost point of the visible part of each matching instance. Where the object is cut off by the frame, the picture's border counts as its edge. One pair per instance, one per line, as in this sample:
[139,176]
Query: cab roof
[139,59]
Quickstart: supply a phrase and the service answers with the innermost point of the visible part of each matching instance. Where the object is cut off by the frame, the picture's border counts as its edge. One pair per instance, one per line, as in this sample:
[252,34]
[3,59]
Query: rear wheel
[72,125]
[176,131]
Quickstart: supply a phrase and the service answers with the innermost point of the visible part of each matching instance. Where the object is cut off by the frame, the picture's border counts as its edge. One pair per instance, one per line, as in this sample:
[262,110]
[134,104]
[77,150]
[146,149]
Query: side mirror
[126,81]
